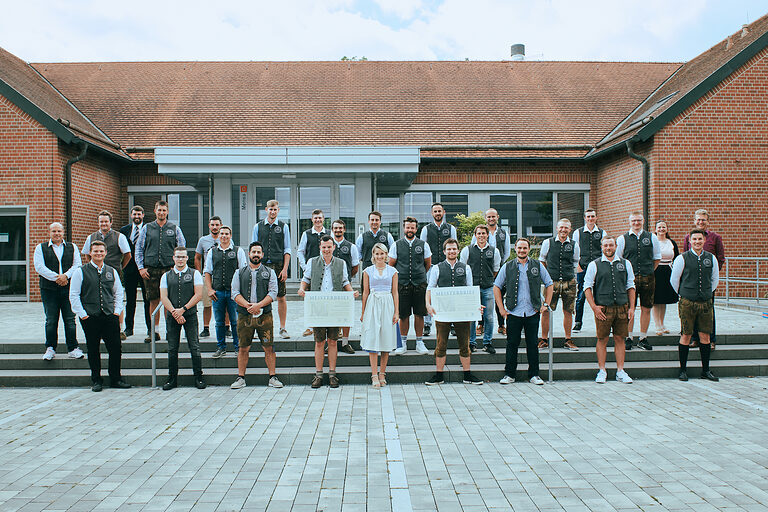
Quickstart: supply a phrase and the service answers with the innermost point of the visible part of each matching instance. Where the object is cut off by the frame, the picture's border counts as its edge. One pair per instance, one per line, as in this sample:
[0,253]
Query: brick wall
[504,172]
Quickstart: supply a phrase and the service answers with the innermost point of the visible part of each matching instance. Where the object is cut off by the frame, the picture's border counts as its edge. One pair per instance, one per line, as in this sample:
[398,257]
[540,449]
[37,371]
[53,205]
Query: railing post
[551,341]
[152,344]
[727,281]
[757,280]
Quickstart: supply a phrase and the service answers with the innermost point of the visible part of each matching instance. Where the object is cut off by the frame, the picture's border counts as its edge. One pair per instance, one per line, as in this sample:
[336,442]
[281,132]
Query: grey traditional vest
[560,259]
[501,238]
[313,244]
[369,240]
[96,294]
[181,289]
[410,262]
[513,280]
[639,252]
[447,276]
[114,257]
[262,287]
[159,244]
[696,281]
[52,262]
[343,251]
[225,264]
[611,282]
[272,237]
[590,246]
[481,263]
[318,269]
[435,238]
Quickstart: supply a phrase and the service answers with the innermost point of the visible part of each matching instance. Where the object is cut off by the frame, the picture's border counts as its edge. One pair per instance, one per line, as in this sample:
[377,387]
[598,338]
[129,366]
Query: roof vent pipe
[744,30]
[518,51]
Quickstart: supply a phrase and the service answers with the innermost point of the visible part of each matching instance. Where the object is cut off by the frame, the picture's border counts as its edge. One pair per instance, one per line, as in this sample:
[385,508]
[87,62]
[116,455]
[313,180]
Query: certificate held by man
[329,309]
[456,304]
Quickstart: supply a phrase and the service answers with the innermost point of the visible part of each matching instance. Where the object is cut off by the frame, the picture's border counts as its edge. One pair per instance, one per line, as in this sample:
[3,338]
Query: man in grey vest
[485,261]
[643,250]
[325,273]
[588,238]
[347,251]
[154,254]
[435,234]
[118,250]
[221,264]
[561,257]
[96,296]
[609,286]
[276,241]
[254,314]
[55,261]
[695,276]
[411,258]
[181,288]
[201,253]
[309,244]
[500,239]
[374,235]
[521,306]
[450,273]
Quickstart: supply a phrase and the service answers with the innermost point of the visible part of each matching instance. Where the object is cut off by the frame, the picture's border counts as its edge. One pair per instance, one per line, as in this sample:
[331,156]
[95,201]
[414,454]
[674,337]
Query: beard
[255,260]
[409,235]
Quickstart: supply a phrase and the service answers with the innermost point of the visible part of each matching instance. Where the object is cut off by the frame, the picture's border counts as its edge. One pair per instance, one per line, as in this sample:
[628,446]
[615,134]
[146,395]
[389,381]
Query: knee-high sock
[704,349]
[682,351]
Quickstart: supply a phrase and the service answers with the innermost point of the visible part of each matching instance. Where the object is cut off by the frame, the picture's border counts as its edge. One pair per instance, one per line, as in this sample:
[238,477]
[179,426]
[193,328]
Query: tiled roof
[526,103]
[27,82]
[671,95]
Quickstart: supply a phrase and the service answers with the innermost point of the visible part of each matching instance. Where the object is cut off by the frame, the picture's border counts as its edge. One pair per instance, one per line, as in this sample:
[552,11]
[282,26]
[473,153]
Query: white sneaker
[49,354]
[273,383]
[507,380]
[537,380]
[601,376]
[622,376]
[76,354]
[398,351]
[421,349]
[238,384]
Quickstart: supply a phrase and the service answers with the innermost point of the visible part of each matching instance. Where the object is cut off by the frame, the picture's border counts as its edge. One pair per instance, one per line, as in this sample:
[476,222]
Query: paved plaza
[653,445]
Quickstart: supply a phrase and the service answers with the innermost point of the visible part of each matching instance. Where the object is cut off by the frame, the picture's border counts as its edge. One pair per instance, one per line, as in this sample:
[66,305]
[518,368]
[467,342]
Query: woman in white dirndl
[379,334]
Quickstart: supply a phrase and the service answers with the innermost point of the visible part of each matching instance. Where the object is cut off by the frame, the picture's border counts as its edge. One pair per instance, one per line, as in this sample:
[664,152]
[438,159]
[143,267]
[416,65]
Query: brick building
[536,140]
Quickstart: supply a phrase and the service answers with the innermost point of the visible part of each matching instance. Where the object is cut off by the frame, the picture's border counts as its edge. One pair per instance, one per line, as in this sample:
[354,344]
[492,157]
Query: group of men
[238,287]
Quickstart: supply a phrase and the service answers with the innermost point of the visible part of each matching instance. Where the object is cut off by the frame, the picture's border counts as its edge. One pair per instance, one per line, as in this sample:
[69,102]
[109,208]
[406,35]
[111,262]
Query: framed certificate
[456,304]
[329,309]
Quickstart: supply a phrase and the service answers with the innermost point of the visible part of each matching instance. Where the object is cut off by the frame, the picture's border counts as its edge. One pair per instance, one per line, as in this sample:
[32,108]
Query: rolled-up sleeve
[501,278]
[272,287]
[545,277]
[235,285]
[715,273]
[589,276]
[544,251]
[630,275]
[286,240]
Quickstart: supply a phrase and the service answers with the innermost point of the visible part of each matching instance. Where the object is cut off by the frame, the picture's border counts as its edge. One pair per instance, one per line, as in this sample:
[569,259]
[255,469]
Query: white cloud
[404,9]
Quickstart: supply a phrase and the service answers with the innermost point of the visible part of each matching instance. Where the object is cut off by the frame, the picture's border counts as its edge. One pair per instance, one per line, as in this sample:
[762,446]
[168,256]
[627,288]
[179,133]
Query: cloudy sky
[104,30]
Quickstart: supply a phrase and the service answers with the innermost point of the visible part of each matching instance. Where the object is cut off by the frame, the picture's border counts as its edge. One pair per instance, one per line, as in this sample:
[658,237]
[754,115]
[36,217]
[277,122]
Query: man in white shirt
[347,251]
[309,244]
[96,296]
[485,261]
[201,252]
[435,234]
[501,240]
[589,239]
[55,261]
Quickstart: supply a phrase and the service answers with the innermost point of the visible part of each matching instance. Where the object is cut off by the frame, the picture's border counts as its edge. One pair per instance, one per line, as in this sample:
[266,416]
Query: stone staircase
[21,362]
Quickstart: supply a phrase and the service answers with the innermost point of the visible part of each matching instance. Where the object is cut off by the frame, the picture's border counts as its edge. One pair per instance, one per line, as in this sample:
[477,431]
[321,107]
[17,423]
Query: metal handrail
[551,343]
[757,281]
[152,343]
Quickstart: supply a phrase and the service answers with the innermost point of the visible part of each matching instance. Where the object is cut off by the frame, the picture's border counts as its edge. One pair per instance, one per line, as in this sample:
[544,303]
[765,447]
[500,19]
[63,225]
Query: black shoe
[200,383]
[628,343]
[645,344]
[347,349]
[169,385]
[683,376]
[148,339]
[121,384]
[205,333]
[453,331]
[577,326]
[128,332]
[228,334]
[96,387]
[473,348]
[489,349]
[709,376]
[471,379]
[435,380]
[427,330]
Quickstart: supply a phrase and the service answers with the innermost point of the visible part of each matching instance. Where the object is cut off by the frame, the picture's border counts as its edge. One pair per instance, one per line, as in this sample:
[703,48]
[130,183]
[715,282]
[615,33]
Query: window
[570,205]
[537,215]
[506,205]
[418,205]
[347,210]
[454,205]
[389,207]
[13,255]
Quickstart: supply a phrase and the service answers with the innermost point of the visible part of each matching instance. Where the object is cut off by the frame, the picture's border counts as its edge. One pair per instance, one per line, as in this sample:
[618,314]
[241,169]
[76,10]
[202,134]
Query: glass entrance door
[13,256]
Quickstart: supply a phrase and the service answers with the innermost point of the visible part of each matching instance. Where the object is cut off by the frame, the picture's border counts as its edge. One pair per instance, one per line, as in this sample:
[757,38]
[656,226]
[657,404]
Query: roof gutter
[68,185]
[646,180]
[504,147]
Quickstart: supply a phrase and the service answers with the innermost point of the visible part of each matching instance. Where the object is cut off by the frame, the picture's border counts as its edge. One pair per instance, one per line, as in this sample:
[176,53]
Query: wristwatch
[184,308]
[545,305]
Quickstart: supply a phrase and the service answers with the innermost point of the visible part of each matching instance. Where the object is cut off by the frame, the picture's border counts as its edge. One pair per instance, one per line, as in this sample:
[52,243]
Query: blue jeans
[487,300]
[221,306]
[580,297]
[55,303]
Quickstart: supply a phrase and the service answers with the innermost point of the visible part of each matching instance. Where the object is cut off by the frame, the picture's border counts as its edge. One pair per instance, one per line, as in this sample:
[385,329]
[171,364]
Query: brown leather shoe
[347,349]
[711,345]
[570,345]
[333,381]
[317,381]
[502,330]
[308,332]
[123,336]
[543,343]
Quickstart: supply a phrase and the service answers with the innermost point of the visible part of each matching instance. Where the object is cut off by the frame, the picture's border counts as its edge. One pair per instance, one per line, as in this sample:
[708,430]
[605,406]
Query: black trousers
[174,339]
[133,281]
[515,325]
[498,312]
[103,327]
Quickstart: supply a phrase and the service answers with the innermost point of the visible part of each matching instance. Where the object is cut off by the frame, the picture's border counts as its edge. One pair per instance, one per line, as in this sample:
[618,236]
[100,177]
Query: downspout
[68,185]
[646,181]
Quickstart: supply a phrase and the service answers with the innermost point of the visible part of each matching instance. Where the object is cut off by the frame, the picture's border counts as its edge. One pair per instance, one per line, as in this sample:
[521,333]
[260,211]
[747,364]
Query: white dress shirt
[76,284]
[58,250]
